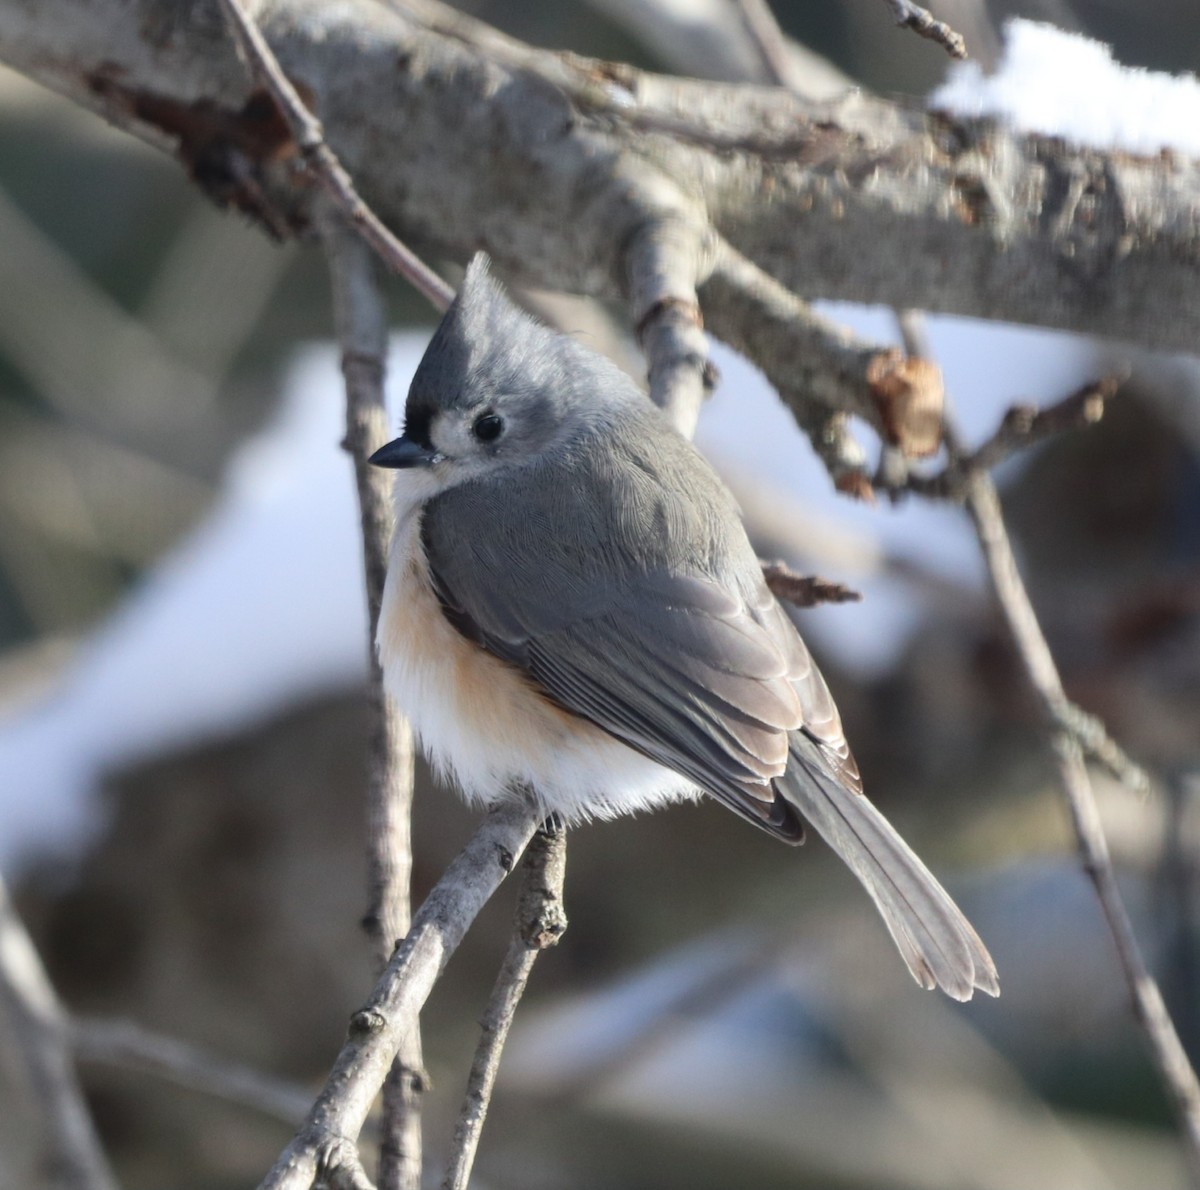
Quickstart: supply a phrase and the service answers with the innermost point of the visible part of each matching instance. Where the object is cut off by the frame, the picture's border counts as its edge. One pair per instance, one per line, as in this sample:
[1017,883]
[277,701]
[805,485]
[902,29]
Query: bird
[573,612]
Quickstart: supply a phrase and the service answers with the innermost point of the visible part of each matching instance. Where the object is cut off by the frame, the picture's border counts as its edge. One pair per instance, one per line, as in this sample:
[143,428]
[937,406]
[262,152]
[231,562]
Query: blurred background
[182,652]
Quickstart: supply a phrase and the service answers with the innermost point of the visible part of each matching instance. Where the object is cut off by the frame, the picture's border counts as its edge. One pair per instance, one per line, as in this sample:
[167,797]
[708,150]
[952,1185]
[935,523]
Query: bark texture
[461,138]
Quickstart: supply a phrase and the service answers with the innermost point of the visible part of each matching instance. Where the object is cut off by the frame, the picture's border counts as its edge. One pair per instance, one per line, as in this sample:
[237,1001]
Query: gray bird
[573,608]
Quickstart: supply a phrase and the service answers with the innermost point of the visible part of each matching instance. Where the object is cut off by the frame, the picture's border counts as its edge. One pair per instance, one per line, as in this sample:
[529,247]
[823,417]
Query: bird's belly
[483,722]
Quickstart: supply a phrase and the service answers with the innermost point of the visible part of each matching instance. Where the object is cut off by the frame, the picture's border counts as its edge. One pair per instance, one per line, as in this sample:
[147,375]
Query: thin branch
[1021,427]
[362,332]
[983,506]
[540,922]
[310,140]
[73,1158]
[922,22]
[129,1046]
[333,1124]
[1175,1070]
[771,43]
[805,590]
[708,39]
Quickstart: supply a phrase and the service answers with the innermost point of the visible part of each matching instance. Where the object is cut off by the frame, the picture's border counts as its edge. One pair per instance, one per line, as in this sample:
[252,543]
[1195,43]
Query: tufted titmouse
[573,607]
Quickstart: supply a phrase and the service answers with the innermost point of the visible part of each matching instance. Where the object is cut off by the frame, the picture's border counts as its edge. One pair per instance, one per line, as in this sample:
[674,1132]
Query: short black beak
[403,452]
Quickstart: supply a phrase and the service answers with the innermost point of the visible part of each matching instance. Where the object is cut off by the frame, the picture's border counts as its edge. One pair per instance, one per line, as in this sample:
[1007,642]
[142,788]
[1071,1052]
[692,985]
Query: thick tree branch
[72,1157]
[326,1142]
[539,923]
[860,199]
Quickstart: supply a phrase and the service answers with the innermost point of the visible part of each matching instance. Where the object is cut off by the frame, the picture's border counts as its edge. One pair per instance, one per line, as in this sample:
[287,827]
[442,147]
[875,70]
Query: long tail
[935,939]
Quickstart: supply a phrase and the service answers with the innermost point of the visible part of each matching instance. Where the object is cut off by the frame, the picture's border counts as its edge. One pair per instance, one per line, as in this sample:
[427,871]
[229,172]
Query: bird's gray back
[562,536]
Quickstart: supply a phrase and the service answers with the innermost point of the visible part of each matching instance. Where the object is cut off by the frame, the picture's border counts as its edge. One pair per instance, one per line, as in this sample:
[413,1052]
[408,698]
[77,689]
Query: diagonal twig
[983,507]
[362,333]
[539,924]
[310,140]
[72,1152]
[129,1046]
[1174,1068]
[923,23]
[779,62]
[1022,427]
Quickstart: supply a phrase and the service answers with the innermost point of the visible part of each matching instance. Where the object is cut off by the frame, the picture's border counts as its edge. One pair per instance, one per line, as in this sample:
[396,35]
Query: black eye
[488,427]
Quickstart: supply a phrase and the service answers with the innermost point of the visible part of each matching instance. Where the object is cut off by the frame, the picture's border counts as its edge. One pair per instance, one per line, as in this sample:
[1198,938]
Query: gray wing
[676,669]
[654,623]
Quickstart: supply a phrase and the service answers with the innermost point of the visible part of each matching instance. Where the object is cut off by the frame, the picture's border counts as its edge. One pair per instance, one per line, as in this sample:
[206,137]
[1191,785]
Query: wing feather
[669,640]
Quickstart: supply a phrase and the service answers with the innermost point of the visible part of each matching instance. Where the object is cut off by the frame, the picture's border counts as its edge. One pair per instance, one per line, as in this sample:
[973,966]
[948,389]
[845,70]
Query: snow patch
[1063,84]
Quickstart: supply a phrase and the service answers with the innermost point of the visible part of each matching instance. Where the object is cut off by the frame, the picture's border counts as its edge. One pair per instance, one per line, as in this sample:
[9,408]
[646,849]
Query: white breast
[482,722]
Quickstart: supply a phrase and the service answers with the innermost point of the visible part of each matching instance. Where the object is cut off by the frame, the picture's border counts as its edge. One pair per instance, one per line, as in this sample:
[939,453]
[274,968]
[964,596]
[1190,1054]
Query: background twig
[129,1046]
[73,1158]
[362,332]
[922,22]
[983,507]
[1021,427]
[1175,1070]
[772,44]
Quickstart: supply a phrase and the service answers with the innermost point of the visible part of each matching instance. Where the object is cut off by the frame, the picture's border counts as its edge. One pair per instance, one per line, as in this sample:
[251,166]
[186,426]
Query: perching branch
[326,1142]
[539,923]
[72,1154]
[362,332]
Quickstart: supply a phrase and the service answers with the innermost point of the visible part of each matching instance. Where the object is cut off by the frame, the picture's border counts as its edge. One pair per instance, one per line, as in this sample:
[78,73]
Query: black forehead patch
[418,420]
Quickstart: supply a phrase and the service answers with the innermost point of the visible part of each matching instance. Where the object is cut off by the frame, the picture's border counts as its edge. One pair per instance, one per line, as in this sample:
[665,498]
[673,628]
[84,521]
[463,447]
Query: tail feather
[934,938]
